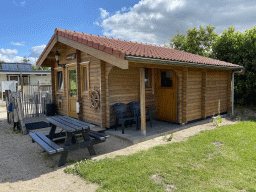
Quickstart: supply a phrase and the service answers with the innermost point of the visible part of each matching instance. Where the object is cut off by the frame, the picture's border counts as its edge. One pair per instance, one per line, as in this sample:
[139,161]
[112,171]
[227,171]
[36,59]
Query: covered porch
[159,128]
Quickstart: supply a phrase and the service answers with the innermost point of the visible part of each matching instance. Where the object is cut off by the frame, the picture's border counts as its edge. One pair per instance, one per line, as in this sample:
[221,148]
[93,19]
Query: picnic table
[71,129]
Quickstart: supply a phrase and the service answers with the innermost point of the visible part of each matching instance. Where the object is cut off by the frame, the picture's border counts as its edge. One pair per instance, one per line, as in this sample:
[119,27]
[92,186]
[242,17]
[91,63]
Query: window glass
[60,80]
[85,79]
[166,79]
[147,78]
[13,78]
[72,83]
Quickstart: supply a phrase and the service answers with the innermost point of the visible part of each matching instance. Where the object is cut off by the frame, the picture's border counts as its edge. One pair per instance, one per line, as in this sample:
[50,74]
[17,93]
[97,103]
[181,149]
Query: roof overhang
[47,50]
[179,63]
[113,60]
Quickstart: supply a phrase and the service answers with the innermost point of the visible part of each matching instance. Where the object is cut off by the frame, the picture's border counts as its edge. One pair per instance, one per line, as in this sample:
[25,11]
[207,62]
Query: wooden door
[167,96]
[72,92]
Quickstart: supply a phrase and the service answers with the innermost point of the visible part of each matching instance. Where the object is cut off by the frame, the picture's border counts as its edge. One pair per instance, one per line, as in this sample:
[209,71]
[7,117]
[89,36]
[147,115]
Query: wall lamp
[57,57]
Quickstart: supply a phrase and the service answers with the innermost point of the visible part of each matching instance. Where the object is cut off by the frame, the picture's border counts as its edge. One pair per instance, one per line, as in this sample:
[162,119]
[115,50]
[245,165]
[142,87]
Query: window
[85,77]
[14,78]
[148,78]
[60,80]
[166,79]
[25,80]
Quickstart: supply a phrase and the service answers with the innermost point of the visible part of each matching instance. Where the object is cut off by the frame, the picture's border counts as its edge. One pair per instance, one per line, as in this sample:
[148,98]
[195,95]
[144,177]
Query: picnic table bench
[72,129]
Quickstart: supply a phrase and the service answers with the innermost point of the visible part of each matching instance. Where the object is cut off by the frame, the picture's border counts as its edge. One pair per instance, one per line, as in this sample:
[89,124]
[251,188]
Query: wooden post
[184,95]
[102,94]
[204,90]
[142,101]
[79,84]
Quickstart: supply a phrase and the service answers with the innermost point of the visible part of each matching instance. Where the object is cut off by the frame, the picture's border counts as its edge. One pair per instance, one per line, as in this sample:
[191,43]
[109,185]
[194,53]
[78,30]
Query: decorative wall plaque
[71,56]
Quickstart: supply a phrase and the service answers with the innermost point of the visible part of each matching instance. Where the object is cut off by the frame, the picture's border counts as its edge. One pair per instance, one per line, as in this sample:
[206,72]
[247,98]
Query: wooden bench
[49,146]
[36,125]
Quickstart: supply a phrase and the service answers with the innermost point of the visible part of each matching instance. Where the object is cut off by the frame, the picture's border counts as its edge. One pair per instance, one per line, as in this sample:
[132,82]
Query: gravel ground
[24,167]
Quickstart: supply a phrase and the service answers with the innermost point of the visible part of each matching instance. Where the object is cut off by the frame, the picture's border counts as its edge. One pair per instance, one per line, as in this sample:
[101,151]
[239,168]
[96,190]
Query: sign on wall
[71,56]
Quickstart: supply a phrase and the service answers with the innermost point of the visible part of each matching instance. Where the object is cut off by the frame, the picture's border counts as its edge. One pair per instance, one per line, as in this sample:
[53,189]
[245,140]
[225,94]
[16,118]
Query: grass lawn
[223,159]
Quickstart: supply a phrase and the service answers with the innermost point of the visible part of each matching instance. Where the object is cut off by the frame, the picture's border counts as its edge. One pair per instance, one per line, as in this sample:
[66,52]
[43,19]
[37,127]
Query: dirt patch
[159,179]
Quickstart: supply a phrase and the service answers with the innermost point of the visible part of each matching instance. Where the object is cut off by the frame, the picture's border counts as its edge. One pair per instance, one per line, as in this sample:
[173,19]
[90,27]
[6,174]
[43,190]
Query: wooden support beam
[204,90]
[108,68]
[142,101]
[53,85]
[184,94]
[103,93]
[79,82]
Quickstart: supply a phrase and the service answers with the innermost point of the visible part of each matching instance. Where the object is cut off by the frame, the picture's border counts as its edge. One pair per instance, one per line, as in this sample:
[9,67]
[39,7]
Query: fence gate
[35,105]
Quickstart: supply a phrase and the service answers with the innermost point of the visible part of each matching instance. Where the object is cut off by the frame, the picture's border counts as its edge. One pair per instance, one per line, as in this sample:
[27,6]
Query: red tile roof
[122,48]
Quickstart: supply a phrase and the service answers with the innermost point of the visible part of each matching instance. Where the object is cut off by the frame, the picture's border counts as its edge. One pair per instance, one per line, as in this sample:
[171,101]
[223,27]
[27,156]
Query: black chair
[121,114]
[135,110]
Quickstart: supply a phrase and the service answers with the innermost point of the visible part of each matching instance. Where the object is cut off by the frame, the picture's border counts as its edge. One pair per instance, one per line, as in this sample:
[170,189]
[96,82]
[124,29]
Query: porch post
[142,101]
[79,86]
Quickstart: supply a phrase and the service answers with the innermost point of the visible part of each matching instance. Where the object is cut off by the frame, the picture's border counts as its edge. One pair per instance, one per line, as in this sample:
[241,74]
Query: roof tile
[96,45]
[101,47]
[121,48]
[90,43]
[108,50]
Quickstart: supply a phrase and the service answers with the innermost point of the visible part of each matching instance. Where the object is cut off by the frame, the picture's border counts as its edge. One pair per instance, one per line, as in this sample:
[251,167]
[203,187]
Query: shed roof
[16,68]
[123,48]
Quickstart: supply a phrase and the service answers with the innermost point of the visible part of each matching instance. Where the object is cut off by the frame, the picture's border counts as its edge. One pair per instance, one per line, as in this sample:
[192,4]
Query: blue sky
[27,25]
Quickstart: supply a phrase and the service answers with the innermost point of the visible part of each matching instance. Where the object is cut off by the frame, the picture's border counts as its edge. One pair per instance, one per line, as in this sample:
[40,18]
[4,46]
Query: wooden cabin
[99,71]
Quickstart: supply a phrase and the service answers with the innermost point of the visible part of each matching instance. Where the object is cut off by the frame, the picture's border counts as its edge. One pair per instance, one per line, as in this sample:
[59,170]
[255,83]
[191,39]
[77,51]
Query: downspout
[232,90]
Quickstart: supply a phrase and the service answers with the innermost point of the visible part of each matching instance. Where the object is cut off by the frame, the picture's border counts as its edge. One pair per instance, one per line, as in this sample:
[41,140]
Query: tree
[25,59]
[195,41]
[239,48]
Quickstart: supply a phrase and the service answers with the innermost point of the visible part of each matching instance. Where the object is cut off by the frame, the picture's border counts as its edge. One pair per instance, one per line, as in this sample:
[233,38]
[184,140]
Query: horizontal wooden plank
[40,142]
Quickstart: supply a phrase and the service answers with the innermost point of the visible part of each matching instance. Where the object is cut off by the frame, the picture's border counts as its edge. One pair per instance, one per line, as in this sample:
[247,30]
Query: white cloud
[18,43]
[10,55]
[36,51]
[153,21]
[103,13]
[124,9]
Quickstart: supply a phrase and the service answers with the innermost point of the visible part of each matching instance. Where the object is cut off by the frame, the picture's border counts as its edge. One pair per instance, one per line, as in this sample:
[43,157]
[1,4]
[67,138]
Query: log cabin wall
[217,92]
[124,86]
[90,114]
[194,95]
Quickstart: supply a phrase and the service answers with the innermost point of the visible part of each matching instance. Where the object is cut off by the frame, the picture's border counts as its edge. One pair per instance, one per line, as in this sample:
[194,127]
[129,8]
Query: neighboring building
[14,72]
[177,86]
